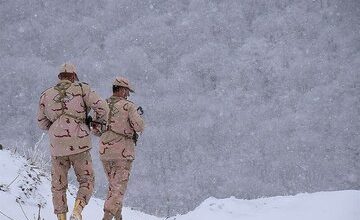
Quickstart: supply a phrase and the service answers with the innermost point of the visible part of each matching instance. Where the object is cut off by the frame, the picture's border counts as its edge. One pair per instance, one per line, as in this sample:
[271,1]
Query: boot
[107,215]
[61,216]
[76,215]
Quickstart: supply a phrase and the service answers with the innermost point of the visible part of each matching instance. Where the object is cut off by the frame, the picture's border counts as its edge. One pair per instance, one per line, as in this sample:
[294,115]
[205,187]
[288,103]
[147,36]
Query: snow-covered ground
[24,187]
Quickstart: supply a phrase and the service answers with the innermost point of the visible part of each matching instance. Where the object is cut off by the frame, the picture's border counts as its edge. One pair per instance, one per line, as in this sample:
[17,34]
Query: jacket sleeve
[136,121]
[96,103]
[43,122]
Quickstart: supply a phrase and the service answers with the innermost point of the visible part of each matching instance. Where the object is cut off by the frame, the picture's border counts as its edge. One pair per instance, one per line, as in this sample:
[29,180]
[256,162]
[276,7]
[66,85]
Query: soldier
[117,145]
[62,111]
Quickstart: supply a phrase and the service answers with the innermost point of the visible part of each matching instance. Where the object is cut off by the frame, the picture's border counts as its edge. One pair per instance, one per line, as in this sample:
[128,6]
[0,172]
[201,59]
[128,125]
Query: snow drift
[25,194]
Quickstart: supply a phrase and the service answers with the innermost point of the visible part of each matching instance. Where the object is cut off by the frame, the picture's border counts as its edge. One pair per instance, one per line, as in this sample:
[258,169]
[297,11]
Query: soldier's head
[122,87]
[68,72]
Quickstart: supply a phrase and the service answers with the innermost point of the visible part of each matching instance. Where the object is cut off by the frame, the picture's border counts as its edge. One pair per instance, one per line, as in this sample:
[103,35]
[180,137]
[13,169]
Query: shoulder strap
[111,102]
[82,96]
[61,88]
[88,119]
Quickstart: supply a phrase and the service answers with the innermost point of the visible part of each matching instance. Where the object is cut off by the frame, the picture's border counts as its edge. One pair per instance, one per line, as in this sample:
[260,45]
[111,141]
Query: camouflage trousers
[60,166]
[118,173]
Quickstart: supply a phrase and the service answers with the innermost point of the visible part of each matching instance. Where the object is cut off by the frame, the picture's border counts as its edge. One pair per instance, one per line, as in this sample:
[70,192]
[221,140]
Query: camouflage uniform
[62,111]
[117,149]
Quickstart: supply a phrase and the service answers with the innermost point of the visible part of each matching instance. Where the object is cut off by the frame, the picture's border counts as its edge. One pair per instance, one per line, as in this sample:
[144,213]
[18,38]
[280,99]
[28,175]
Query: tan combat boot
[61,216]
[78,207]
[107,215]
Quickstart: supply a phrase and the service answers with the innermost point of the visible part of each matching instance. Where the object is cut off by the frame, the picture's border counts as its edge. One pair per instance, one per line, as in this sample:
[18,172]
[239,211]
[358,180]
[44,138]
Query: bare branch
[18,202]
[6,215]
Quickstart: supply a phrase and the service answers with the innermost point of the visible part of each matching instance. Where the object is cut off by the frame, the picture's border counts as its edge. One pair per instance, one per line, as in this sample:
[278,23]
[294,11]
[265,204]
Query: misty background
[245,98]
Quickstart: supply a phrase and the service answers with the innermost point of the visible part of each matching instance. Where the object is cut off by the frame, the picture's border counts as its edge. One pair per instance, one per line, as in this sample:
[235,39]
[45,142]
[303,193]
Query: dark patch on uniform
[86,134]
[83,147]
[81,203]
[62,136]
[71,148]
[126,106]
[42,119]
[83,106]
[83,111]
[122,153]
[97,102]
[76,95]
[57,109]
[99,109]
[109,143]
[68,120]
[102,153]
[65,107]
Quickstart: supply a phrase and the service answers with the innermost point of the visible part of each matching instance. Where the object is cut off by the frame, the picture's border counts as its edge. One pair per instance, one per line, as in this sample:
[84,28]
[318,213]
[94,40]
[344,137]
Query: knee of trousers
[86,179]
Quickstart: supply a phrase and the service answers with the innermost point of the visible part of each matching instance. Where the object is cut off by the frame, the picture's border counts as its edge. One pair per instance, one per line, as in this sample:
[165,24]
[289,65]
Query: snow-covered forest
[245,98]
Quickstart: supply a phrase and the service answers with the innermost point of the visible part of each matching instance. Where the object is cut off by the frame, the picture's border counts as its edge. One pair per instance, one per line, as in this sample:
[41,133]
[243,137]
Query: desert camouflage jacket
[124,120]
[62,111]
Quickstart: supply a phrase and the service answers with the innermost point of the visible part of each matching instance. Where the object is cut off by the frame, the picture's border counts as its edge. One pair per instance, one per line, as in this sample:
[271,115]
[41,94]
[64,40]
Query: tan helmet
[68,68]
[123,82]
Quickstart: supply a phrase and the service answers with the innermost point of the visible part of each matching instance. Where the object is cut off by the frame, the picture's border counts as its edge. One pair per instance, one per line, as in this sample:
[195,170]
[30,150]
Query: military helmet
[123,82]
[68,68]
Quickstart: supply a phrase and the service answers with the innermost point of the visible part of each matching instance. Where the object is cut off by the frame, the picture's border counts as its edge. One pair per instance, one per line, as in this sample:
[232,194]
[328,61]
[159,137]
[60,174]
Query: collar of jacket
[117,97]
[65,81]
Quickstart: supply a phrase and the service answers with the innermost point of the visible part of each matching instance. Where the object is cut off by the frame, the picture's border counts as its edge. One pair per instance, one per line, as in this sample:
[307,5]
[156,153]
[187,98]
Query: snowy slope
[23,187]
[30,187]
[340,205]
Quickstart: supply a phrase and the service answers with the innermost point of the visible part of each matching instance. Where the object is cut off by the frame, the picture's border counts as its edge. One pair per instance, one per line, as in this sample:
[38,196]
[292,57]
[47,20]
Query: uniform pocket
[128,153]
